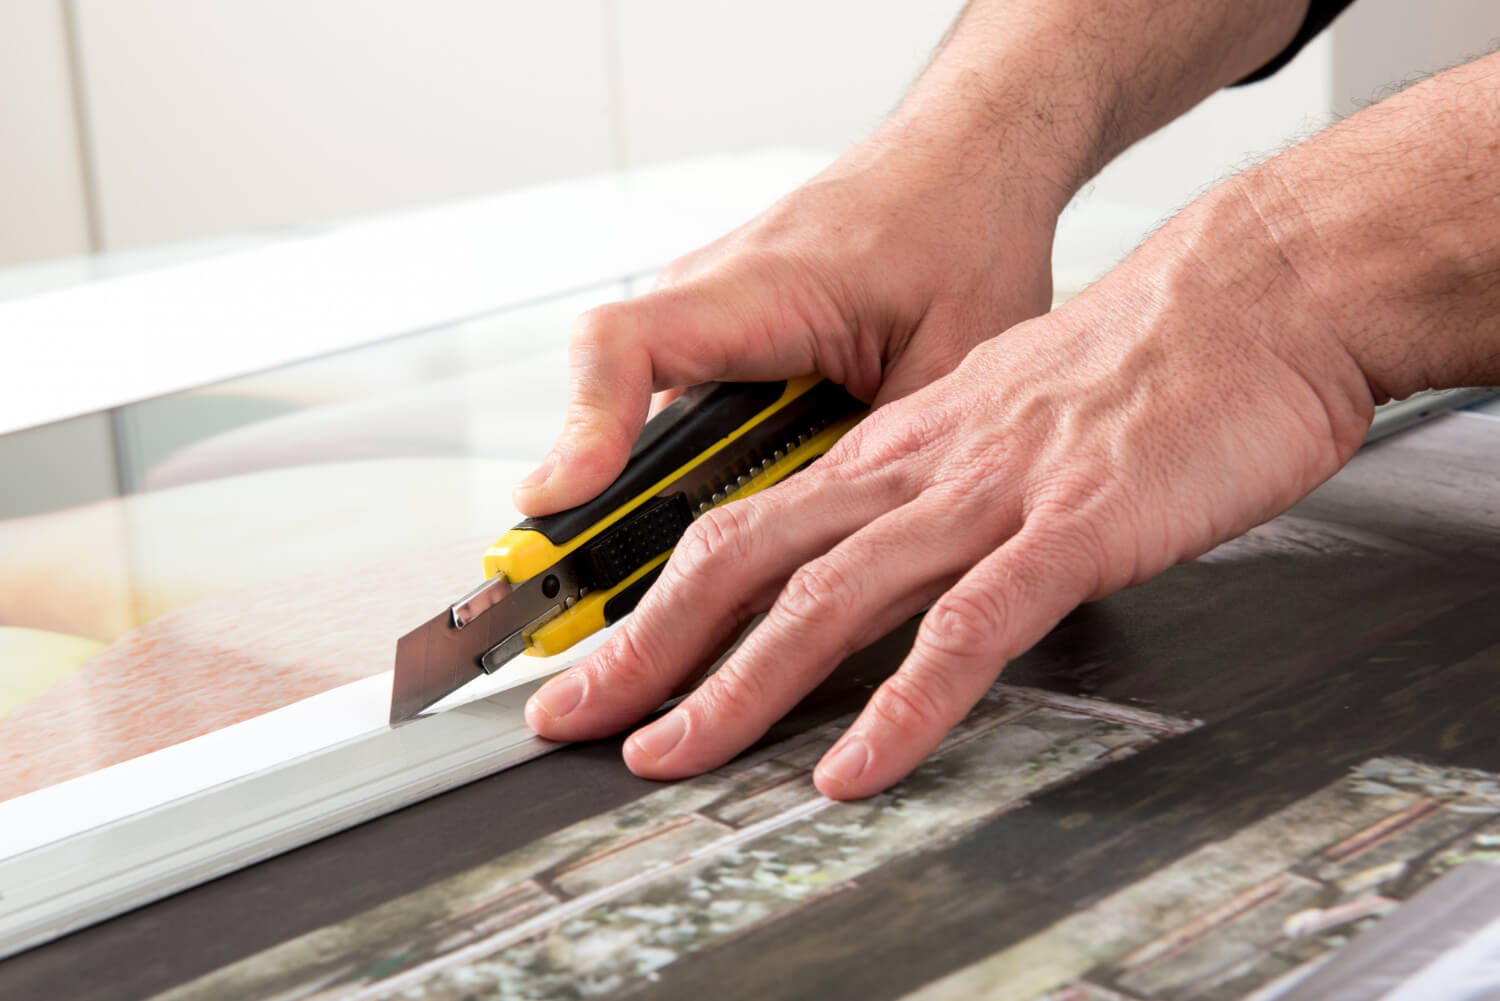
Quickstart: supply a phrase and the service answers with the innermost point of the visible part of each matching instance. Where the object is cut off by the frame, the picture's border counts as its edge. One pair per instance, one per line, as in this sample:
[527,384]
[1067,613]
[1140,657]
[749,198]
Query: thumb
[619,354]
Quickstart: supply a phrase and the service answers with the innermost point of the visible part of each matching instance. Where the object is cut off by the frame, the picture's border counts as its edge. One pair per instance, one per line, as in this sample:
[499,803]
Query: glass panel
[48,276]
[174,566]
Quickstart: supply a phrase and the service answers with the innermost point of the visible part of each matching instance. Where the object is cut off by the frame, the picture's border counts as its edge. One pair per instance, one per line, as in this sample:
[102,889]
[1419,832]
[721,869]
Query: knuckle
[587,334]
[1072,532]
[599,326]
[719,538]
[963,623]
[591,425]
[888,456]
[1077,552]
[855,443]
[625,662]
[586,412]
[961,498]
[879,444]
[603,377]
[732,692]
[907,705]
[819,592]
[1071,491]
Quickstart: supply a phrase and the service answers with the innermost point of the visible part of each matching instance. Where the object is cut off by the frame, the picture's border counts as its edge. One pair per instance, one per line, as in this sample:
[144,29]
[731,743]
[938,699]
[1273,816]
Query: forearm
[1043,93]
[1389,225]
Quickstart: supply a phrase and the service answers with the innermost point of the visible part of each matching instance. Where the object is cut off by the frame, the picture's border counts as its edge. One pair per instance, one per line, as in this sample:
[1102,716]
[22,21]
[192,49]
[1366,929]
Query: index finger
[620,353]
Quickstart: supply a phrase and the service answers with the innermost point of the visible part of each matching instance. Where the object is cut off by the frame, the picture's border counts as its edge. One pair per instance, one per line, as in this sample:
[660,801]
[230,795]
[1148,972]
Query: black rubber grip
[640,537]
[621,604]
[694,422]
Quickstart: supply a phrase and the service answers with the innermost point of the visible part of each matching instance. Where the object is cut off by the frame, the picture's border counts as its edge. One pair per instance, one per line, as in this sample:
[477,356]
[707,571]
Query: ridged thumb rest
[599,608]
[616,550]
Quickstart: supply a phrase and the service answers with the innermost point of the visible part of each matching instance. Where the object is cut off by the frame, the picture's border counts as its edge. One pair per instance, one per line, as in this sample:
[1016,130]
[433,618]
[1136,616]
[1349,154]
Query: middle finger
[727,568]
[829,608]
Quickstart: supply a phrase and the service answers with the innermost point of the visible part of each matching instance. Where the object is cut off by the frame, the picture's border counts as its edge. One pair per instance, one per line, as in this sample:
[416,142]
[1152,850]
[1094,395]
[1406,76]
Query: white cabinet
[42,206]
[214,115]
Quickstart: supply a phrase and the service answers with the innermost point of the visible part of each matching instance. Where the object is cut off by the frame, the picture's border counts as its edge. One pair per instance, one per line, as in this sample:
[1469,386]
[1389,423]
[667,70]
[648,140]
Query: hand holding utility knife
[555,580]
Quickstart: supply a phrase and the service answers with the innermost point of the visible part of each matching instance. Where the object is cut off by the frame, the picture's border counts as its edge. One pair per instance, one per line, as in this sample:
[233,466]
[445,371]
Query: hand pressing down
[1083,451]
[1221,372]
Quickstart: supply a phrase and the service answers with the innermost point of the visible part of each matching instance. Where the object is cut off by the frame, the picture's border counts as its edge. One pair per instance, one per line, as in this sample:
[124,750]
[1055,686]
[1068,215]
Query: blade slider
[472,605]
[514,645]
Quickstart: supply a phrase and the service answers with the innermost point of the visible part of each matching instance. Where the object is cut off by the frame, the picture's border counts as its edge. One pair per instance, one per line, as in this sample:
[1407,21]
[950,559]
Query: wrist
[1044,93]
[1003,133]
[1389,220]
[919,212]
[1216,281]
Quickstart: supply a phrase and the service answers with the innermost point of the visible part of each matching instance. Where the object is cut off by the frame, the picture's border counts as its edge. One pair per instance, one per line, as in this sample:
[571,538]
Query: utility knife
[552,581]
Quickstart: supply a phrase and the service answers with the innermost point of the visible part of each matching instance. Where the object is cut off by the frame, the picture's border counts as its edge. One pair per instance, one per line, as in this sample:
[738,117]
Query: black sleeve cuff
[1320,14]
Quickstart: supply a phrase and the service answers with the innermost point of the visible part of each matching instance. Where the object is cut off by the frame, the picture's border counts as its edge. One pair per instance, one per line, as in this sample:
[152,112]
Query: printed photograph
[604,906]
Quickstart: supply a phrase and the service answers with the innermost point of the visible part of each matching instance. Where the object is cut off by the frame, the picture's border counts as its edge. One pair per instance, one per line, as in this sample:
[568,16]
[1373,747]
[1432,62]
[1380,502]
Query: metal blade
[474,636]
[442,655]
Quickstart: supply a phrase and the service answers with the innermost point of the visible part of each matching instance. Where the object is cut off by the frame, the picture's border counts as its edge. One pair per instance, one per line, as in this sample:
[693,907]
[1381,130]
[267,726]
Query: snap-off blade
[475,635]
[442,655]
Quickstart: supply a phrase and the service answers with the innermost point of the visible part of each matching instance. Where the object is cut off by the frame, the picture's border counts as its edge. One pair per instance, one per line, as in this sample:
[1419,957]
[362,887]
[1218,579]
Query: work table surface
[1189,788]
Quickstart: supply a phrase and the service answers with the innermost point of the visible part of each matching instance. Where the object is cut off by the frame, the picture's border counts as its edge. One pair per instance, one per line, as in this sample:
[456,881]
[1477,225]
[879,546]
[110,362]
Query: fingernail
[845,762]
[558,697]
[539,475]
[658,739]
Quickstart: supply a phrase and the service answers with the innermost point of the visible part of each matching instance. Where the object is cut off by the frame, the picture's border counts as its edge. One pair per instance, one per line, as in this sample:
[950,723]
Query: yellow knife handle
[715,444]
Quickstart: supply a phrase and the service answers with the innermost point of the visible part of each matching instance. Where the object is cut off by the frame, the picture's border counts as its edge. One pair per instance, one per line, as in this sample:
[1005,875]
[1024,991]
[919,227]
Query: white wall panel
[726,75]
[1378,44]
[213,115]
[42,207]
[1372,48]
[1226,132]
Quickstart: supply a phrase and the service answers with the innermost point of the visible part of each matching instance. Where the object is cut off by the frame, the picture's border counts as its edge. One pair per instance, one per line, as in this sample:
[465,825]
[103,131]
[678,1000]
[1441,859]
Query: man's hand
[1081,452]
[1228,367]
[1225,369]
[880,274]
[931,236]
